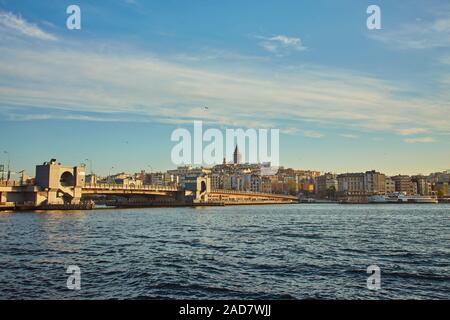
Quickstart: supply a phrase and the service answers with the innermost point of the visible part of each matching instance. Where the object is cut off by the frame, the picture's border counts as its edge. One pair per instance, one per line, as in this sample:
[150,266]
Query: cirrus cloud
[281,45]
[74,77]
[13,23]
[419,140]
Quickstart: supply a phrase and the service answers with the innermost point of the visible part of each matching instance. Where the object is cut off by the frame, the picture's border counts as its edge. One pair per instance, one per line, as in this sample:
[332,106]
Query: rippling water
[248,252]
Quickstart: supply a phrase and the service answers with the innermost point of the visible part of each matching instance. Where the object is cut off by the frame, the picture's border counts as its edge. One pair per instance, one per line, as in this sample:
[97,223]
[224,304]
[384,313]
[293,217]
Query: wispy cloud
[313,134]
[412,131]
[349,136]
[86,80]
[422,34]
[16,24]
[281,44]
[70,77]
[298,131]
[211,54]
[419,140]
[445,60]
[291,131]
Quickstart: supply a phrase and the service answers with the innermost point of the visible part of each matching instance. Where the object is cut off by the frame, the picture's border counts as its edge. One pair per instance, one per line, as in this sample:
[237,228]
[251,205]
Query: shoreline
[197,205]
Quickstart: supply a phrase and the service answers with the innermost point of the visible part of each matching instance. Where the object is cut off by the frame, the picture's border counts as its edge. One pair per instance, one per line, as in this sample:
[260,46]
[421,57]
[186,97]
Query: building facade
[404,184]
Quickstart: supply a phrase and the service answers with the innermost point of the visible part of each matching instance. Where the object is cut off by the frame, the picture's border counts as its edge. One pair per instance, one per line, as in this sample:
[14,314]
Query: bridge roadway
[14,194]
[238,197]
[214,194]
[116,189]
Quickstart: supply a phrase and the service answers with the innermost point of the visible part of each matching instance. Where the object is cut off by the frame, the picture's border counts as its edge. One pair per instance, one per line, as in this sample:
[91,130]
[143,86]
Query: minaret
[237,156]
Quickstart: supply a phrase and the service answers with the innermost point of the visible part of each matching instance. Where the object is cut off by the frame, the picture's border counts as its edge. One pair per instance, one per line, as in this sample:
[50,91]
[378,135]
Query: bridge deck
[255,194]
[106,188]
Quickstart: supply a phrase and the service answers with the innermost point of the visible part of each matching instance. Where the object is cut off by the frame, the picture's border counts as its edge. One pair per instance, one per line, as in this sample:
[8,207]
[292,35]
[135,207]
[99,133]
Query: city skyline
[346,99]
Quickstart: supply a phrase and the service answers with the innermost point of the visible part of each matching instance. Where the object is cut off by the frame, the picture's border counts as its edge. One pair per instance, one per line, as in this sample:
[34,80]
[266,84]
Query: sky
[345,98]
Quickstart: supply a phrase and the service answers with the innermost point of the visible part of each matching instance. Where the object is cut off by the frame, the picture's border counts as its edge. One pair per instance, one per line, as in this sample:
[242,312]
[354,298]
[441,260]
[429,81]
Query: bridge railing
[252,193]
[115,186]
[11,183]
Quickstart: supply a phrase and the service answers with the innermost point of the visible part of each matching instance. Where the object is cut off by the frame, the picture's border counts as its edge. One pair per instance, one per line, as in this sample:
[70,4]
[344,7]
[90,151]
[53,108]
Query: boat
[401,197]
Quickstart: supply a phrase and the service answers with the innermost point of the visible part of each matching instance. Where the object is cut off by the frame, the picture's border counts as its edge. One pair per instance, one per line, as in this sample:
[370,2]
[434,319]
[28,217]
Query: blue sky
[344,98]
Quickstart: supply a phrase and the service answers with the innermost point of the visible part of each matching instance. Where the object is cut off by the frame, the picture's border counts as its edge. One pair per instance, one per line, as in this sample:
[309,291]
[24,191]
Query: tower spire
[237,156]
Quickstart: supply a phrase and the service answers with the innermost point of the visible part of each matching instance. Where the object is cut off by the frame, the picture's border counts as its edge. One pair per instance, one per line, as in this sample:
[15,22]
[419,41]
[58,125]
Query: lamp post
[22,177]
[109,175]
[90,165]
[8,166]
[150,178]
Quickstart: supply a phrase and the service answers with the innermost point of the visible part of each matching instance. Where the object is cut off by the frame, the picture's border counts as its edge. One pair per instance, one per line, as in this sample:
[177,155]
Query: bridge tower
[62,184]
[200,187]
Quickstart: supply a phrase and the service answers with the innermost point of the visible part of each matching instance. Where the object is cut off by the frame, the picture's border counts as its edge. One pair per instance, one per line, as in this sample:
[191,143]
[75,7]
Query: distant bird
[206,108]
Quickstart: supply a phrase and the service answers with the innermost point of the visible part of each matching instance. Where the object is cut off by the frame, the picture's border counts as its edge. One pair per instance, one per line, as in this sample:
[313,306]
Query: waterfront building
[405,184]
[161,179]
[189,170]
[266,184]
[352,183]
[442,189]
[423,186]
[375,182]
[325,184]
[251,182]
[255,183]
[352,187]
[184,173]
[389,185]
[216,181]
[439,177]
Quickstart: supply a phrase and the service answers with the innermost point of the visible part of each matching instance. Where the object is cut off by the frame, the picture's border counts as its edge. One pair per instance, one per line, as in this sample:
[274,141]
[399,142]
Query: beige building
[180,175]
[326,182]
[375,182]
[389,185]
[352,183]
[405,184]
[423,186]
[266,184]
[216,181]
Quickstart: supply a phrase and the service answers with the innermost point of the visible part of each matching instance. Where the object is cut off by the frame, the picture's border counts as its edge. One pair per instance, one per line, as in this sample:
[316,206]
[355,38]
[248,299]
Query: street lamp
[90,165]
[150,175]
[8,166]
[109,175]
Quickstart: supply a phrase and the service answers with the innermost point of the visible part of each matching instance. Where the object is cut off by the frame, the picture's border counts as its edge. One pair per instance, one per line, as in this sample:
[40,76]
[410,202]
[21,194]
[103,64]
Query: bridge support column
[77,193]
[52,197]
[180,196]
[203,188]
